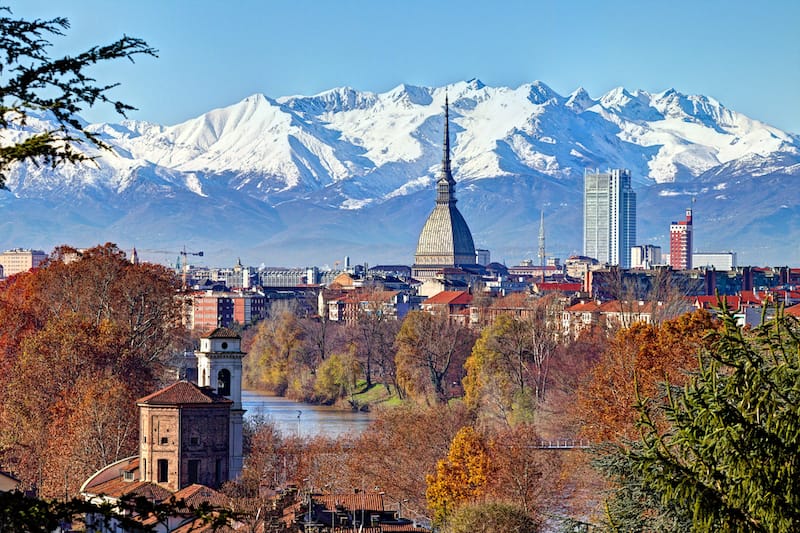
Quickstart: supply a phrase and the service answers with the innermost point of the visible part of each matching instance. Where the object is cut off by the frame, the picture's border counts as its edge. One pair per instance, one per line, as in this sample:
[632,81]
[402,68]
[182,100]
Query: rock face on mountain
[301,180]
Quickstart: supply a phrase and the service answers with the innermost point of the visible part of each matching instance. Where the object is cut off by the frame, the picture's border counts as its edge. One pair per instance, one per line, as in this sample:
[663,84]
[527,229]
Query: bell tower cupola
[219,366]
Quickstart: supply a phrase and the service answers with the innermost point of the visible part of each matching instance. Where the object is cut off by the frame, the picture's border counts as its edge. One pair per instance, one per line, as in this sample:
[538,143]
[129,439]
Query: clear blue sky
[744,53]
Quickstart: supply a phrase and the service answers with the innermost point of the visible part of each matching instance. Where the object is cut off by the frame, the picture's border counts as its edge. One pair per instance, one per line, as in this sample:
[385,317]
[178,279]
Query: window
[224,345]
[194,471]
[224,382]
[163,473]
[194,441]
[218,472]
[164,440]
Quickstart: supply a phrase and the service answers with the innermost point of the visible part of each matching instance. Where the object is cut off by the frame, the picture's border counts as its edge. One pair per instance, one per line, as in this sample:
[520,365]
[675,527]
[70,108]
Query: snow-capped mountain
[307,179]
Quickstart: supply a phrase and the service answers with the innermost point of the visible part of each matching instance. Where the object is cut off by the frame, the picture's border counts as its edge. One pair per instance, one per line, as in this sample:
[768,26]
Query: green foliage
[491,518]
[507,372]
[277,355]
[723,452]
[32,83]
[335,377]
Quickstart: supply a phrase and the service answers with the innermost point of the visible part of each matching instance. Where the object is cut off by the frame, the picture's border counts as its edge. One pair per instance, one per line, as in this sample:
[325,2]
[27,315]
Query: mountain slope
[298,180]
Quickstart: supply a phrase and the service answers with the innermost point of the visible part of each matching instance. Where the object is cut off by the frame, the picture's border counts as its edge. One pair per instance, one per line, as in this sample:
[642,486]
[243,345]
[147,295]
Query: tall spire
[446,144]
[542,256]
[446,185]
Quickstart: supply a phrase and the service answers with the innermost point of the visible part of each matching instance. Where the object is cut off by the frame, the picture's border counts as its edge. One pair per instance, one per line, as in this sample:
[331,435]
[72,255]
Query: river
[292,417]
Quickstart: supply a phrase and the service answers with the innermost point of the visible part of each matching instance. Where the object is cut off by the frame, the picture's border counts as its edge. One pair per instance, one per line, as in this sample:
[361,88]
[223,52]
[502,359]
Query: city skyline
[210,57]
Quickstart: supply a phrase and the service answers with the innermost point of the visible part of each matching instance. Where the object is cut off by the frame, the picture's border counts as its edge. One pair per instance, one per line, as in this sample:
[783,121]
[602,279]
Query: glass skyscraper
[609,216]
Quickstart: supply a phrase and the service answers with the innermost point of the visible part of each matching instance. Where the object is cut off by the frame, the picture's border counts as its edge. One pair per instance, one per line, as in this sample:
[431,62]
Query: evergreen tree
[722,453]
[33,83]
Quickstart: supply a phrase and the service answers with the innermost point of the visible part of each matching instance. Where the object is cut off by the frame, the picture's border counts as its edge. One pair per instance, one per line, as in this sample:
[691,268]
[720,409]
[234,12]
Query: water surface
[293,418]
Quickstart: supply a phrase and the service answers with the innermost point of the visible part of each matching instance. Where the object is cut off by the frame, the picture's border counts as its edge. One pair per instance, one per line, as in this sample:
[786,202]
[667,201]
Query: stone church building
[190,434]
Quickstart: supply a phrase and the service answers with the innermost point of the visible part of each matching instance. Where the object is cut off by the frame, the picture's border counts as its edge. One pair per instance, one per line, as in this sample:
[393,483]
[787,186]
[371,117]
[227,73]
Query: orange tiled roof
[370,501]
[196,494]
[793,310]
[183,393]
[450,298]
[117,487]
[222,333]
[581,307]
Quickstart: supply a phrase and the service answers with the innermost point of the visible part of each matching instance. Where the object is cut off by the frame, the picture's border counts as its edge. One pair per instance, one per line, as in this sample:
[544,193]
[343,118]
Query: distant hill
[308,179]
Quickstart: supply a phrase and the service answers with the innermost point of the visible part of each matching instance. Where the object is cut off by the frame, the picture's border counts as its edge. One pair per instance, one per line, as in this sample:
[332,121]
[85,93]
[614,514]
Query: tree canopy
[34,84]
[723,452]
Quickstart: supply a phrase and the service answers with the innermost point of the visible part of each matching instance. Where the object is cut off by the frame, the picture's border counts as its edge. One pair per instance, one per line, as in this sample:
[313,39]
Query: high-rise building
[680,243]
[445,241]
[609,216]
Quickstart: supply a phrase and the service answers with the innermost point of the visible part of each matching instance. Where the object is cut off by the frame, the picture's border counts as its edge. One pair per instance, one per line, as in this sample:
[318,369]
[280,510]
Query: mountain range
[303,180]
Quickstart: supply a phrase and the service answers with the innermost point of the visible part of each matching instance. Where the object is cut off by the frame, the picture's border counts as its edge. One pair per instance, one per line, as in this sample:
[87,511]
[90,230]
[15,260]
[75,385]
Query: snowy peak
[352,148]
[579,101]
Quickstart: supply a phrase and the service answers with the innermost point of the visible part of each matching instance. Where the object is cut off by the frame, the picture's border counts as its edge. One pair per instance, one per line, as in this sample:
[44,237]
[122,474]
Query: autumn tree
[642,356]
[507,372]
[461,477]
[335,377]
[276,361]
[400,447]
[721,452]
[96,321]
[431,351]
[33,84]
[490,518]
[373,334]
[524,475]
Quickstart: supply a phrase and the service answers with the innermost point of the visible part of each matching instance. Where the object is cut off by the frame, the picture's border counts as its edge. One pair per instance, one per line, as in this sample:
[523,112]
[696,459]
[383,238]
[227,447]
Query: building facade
[646,256]
[184,437]
[609,216]
[445,241]
[20,260]
[680,243]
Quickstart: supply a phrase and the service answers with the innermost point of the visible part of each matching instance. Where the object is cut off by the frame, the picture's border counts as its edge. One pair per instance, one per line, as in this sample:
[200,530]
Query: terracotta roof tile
[222,333]
[450,298]
[196,494]
[584,306]
[183,393]
[370,501]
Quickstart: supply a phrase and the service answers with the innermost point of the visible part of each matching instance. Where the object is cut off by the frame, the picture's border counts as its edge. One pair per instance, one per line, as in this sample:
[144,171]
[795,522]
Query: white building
[646,256]
[717,261]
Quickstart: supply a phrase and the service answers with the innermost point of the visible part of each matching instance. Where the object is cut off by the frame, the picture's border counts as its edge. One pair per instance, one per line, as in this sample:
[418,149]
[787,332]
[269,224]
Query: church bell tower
[219,366]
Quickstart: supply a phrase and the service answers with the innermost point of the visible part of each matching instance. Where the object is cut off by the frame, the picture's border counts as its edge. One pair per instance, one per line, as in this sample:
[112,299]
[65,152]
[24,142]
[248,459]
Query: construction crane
[185,263]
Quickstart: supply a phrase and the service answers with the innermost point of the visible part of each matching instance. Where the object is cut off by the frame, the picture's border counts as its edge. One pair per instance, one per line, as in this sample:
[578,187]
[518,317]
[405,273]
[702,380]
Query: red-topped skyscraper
[680,243]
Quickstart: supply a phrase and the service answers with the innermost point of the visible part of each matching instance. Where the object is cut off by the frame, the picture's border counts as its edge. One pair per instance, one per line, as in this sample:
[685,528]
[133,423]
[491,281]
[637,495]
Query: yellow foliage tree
[461,477]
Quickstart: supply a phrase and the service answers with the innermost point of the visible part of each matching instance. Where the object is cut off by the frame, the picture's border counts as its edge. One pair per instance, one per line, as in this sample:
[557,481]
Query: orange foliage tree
[79,340]
[636,361]
[401,447]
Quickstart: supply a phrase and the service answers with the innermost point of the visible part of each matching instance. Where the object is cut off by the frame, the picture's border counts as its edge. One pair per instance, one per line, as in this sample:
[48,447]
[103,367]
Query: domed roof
[446,234]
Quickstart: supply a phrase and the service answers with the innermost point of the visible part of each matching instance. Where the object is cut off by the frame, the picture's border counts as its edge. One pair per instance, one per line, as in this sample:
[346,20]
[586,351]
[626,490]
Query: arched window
[224,382]
[203,381]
